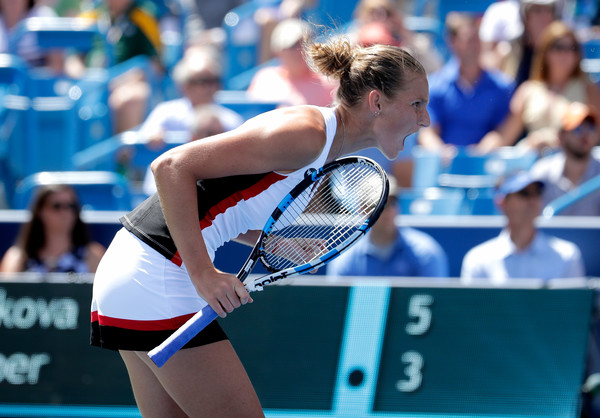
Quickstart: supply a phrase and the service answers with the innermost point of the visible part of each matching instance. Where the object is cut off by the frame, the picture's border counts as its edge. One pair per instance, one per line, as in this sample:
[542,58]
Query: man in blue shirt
[466,102]
[390,250]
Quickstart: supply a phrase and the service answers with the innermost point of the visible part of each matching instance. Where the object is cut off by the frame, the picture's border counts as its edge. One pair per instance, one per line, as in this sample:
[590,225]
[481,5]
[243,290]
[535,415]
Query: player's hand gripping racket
[321,217]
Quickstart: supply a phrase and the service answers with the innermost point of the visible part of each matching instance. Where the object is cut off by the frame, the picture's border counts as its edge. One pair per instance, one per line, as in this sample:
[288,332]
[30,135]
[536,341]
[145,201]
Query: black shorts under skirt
[115,338]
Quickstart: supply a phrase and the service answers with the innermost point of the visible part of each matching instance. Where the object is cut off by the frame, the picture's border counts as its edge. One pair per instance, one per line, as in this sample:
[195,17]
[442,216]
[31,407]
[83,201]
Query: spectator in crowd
[12,14]
[466,102]
[574,164]
[367,15]
[391,250]
[198,76]
[556,80]
[511,31]
[55,239]
[292,82]
[521,250]
[206,122]
[133,31]
[269,15]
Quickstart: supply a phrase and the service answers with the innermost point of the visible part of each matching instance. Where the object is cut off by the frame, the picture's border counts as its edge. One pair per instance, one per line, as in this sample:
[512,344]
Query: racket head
[322,216]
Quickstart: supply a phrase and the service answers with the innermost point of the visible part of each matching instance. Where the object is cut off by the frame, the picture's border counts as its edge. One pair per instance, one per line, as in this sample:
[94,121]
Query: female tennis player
[158,271]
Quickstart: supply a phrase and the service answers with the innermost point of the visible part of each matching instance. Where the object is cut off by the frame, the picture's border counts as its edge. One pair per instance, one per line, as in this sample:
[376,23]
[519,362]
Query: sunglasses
[58,206]
[203,81]
[584,128]
[529,193]
[558,47]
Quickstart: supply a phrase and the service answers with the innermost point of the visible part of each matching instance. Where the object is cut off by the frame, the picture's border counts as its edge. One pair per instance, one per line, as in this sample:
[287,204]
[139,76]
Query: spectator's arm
[13,261]
[430,139]
[513,125]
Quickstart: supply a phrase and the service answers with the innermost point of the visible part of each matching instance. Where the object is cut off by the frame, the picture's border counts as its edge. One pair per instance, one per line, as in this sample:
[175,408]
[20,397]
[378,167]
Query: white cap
[287,33]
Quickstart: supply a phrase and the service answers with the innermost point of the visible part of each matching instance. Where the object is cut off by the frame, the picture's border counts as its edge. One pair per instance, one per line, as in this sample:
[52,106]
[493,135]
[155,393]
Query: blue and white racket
[321,217]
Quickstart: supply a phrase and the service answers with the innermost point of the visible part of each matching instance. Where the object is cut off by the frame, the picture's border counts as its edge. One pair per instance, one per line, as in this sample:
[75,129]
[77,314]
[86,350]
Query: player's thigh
[152,399]
[209,381]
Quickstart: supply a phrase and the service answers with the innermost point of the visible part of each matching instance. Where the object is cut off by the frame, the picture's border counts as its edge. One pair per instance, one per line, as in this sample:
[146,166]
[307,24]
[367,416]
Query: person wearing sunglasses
[556,80]
[198,77]
[521,251]
[575,163]
[55,239]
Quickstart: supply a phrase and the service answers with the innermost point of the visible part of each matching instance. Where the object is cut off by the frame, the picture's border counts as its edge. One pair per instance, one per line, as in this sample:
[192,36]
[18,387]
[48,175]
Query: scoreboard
[364,349]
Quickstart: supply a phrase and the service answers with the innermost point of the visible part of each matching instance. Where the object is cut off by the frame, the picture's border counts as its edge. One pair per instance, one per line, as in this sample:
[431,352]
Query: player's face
[402,116]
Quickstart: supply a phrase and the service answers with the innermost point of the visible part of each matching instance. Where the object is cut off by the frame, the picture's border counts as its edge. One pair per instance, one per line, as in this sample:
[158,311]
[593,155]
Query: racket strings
[323,216]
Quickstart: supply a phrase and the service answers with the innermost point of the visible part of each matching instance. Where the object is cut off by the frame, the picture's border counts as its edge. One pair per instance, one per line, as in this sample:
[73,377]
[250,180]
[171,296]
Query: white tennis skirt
[140,298]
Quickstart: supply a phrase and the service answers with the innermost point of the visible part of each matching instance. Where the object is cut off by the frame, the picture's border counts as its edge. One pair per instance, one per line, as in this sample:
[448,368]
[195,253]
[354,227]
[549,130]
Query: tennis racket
[327,212]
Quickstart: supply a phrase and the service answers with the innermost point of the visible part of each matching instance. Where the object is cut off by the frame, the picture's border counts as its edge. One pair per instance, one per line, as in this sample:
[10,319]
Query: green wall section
[369,349]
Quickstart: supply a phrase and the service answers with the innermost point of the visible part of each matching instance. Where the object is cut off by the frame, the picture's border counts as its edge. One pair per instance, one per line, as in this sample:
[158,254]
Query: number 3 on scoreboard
[413,371]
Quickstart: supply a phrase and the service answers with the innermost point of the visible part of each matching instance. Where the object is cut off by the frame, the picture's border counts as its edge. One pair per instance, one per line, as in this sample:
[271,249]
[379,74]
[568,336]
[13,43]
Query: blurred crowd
[513,76]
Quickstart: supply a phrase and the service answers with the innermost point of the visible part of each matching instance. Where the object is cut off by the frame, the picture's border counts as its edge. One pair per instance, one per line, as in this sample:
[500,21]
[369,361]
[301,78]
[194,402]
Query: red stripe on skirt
[138,325]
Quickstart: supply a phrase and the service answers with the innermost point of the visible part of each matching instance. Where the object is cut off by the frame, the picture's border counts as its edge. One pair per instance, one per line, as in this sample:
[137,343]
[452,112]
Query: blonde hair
[361,69]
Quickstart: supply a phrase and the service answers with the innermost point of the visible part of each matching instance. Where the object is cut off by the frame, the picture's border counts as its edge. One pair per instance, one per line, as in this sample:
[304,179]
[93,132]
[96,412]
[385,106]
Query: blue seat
[468,170]
[431,201]
[243,37]
[97,190]
[70,33]
[481,202]
[469,6]
[126,153]
[243,105]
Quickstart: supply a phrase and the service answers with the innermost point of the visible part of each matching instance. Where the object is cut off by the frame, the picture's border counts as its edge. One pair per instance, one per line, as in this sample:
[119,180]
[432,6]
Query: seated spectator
[574,164]
[521,250]
[389,13]
[206,121]
[55,240]
[466,102]
[13,13]
[269,14]
[133,31]
[292,82]
[556,80]
[511,31]
[391,250]
[198,75]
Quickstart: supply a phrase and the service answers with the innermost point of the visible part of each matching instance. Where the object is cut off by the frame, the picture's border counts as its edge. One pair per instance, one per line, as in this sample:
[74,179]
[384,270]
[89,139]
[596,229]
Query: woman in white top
[209,192]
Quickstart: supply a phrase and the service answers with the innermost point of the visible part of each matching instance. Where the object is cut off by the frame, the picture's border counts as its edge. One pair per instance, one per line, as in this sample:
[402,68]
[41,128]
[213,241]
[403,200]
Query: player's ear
[375,99]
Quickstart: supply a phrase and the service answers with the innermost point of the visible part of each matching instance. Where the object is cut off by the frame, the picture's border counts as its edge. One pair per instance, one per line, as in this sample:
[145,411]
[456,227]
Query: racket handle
[182,336]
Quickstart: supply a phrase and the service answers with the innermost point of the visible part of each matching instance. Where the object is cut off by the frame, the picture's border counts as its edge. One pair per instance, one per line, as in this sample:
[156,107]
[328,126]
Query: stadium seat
[466,169]
[242,39]
[240,103]
[469,6]
[480,202]
[97,190]
[431,201]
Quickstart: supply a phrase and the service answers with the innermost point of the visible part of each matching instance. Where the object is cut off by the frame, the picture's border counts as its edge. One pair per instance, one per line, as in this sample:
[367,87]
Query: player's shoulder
[301,120]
